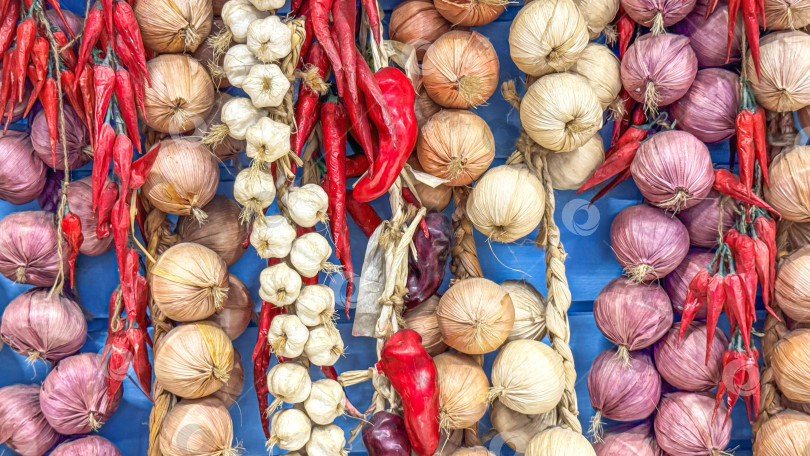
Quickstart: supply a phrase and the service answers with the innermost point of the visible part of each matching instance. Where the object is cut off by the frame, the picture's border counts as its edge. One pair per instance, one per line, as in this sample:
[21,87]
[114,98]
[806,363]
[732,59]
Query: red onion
[702,220]
[658,69]
[620,392]
[626,440]
[74,395]
[22,174]
[657,14]
[709,108]
[647,242]
[673,170]
[75,133]
[74,21]
[28,252]
[631,315]
[708,36]
[41,325]
[235,315]
[222,232]
[22,426]
[684,425]
[19,108]
[684,365]
[91,445]
[48,200]
[80,198]
[677,282]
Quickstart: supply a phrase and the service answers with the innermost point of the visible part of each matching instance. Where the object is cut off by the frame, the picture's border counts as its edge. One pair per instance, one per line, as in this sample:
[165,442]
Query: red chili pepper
[109,195]
[745,146]
[126,56]
[55,5]
[621,122]
[413,375]
[728,184]
[86,82]
[306,106]
[379,100]
[736,360]
[761,143]
[335,125]
[295,5]
[6,92]
[68,81]
[308,30]
[127,26]
[363,214]
[120,353]
[626,27]
[102,157]
[93,26]
[125,96]
[733,9]
[721,387]
[370,7]
[616,163]
[142,166]
[72,227]
[261,359]
[120,224]
[621,177]
[8,24]
[716,298]
[742,249]
[752,369]
[122,160]
[410,198]
[710,8]
[736,302]
[343,16]
[320,10]
[356,165]
[696,296]
[39,56]
[751,21]
[26,31]
[104,84]
[399,95]
[765,229]
[761,253]
[50,105]
[67,55]
[138,339]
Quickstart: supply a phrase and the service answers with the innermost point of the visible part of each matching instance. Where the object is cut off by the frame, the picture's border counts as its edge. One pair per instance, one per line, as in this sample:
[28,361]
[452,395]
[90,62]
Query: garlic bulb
[239,114]
[269,39]
[310,254]
[327,441]
[272,236]
[325,401]
[287,336]
[307,204]
[289,429]
[268,140]
[288,382]
[237,15]
[280,285]
[316,305]
[237,64]
[254,189]
[569,170]
[266,85]
[324,346]
[530,310]
[267,5]
[600,67]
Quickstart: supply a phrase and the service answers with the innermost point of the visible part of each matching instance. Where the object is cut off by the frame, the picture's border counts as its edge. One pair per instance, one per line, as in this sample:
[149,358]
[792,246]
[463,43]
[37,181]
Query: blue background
[590,265]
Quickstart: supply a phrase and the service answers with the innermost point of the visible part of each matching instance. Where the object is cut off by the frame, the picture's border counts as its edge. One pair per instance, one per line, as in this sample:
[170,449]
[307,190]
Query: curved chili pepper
[306,106]
[728,184]
[142,166]
[103,86]
[85,79]
[343,16]
[716,299]
[68,81]
[49,97]
[127,26]
[55,5]
[6,92]
[125,96]
[626,28]
[320,9]
[102,157]
[26,32]
[8,24]
[733,9]
[736,302]
[39,57]
[66,54]
[261,359]
[761,143]
[363,214]
[751,21]
[93,26]
[696,297]
[742,249]
[616,163]
[746,154]
[72,227]
[109,195]
[377,100]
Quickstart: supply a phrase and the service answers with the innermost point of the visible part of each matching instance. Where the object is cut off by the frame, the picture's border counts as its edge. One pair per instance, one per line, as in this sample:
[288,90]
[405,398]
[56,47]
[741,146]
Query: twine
[464,262]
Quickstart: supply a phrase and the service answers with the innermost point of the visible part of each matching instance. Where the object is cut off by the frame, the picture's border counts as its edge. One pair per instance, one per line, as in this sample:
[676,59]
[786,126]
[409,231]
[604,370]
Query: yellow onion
[600,67]
[235,315]
[561,112]
[181,94]
[507,203]
[787,14]
[230,392]
[424,107]
[418,23]
[423,320]
[196,428]
[205,55]
[473,451]
[194,360]
[183,179]
[784,81]
[517,429]
[597,14]
[792,287]
[189,282]
[222,231]
[530,310]
[475,316]
[433,198]
[789,192]
[798,234]
[463,389]
[559,441]
[471,13]
[569,170]
[784,434]
[455,145]
[515,379]
[547,37]
[790,361]
[460,70]
[173,26]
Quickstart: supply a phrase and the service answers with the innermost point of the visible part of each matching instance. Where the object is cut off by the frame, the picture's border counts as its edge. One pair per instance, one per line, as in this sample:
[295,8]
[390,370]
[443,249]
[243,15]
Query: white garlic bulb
[287,336]
[307,204]
[266,85]
[310,254]
[254,189]
[268,140]
[267,5]
[325,402]
[272,236]
[289,430]
[316,305]
[238,114]
[324,346]
[237,16]
[327,441]
[237,64]
[288,382]
[269,39]
[280,285]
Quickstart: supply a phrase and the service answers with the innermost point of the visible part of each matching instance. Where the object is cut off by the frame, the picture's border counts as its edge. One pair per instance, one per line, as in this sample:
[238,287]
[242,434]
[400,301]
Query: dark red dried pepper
[363,214]
[696,297]
[8,25]
[746,153]
[125,96]
[306,106]
[26,31]
[93,26]
[102,157]
[128,28]
[49,97]
[728,184]
[104,85]
[106,203]
[72,227]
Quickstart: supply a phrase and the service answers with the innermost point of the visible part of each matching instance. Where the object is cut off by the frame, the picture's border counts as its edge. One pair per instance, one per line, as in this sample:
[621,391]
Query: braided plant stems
[464,262]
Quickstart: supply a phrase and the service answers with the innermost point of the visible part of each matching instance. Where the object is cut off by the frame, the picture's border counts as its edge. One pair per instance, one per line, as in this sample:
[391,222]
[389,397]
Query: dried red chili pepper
[765,229]
[761,253]
[8,24]
[356,165]
[377,100]
[102,157]
[728,184]
[696,297]
[626,28]
[751,22]
[261,358]
[120,355]
[86,81]
[68,81]
[39,56]
[121,225]
[127,26]
[623,176]
[104,84]
[319,10]
[761,143]
[716,298]
[26,32]
[125,96]
[306,106]
[55,5]
[109,195]
[737,302]
[343,17]
[6,92]
[399,95]
[93,26]
[49,97]
[733,9]
[746,153]
[742,249]
[72,227]
[142,166]
[122,160]
[621,121]
[413,375]
[615,164]
[363,214]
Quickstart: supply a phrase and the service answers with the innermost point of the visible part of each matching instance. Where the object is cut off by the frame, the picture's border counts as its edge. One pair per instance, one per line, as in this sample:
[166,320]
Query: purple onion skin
[386,436]
[49,198]
[645,11]
[666,60]
[632,315]
[709,108]
[22,173]
[684,364]
[702,220]
[677,281]
[91,445]
[426,274]
[74,21]
[75,133]
[627,440]
[80,199]
[28,251]
[23,428]
[709,36]
[621,392]
[684,425]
